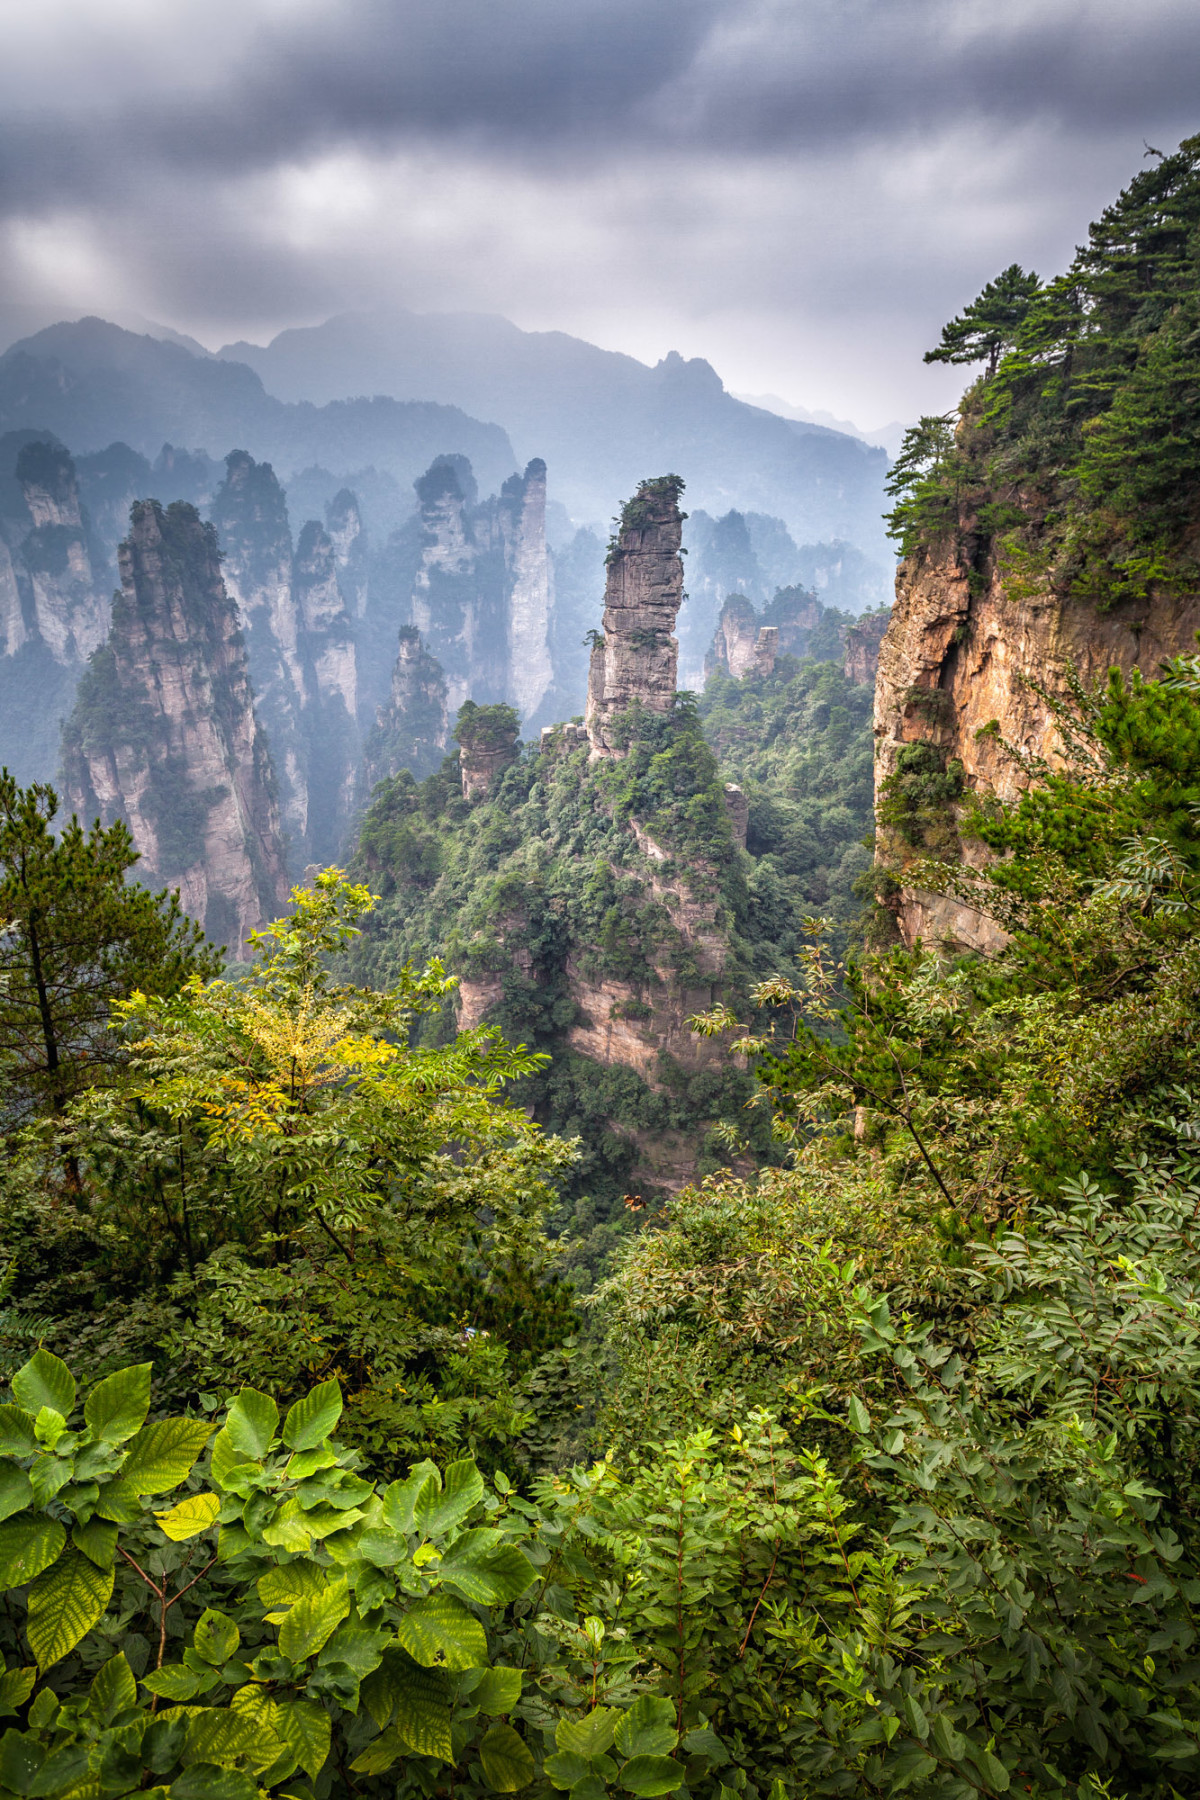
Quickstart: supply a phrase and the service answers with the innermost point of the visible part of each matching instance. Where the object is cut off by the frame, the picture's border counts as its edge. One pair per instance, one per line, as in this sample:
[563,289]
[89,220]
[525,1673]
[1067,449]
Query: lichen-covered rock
[164,733]
[637,657]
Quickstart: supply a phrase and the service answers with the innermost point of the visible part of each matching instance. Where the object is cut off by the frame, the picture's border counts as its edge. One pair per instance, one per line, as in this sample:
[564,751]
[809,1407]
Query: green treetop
[988,327]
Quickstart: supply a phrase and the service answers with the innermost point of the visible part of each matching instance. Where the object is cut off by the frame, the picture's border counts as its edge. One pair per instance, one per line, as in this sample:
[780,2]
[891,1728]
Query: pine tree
[74,937]
[990,324]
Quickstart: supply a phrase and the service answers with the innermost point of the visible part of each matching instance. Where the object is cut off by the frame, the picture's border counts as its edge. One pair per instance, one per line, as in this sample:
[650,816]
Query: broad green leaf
[61,1772]
[440,1630]
[305,1728]
[16,1490]
[646,1775]
[218,1734]
[47,1476]
[20,1759]
[401,1500]
[648,1728]
[311,1420]
[16,1685]
[252,1423]
[119,1500]
[291,1582]
[216,1637]
[192,1516]
[483,1570]
[950,1742]
[566,1770]
[358,1647]
[27,1546]
[312,1621]
[45,1381]
[992,1770]
[590,1736]
[461,1491]
[507,1760]
[225,1456]
[97,1540]
[117,1406]
[289,1529]
[423,1701]
[383,1546]
[380,1754]
[498,1691]
[16,1432]
[161,1455]
[44,1710]
[113,1690]
[64,1603]
[309,1462]
[173,1682]
[205,1781]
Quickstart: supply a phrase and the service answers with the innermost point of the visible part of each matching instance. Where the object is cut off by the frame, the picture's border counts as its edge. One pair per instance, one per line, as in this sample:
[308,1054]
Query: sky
[801,191]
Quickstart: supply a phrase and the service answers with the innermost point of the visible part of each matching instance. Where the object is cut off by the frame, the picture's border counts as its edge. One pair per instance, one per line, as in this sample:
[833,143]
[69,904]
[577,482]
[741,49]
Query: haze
[800,193]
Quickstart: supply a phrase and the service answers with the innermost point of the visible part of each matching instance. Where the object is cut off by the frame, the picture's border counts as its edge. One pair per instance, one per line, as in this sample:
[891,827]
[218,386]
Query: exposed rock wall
[301,641]
[962,651]
[862,643]
[164,733]
[637,658]
[523,523]
[412,731]
[741,645]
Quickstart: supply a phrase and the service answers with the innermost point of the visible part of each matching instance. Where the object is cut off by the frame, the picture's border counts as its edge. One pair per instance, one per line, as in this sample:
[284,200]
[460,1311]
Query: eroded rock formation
[742,646]
[164,733]
[959,669]
[637,657]
[861,644]
[412,731]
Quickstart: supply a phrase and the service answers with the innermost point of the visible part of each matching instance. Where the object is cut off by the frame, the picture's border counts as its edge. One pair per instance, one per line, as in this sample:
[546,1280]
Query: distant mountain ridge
[599,418]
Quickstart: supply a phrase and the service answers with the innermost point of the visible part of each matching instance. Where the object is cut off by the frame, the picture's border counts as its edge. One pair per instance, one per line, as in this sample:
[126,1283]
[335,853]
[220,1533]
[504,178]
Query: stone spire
[636,658]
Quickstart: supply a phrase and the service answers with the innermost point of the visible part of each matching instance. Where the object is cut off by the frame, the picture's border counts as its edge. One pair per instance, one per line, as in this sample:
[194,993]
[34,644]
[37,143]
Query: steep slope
[592,891]
[164,734]
[598,417]
[1052,535]
[92,383]
[55,586]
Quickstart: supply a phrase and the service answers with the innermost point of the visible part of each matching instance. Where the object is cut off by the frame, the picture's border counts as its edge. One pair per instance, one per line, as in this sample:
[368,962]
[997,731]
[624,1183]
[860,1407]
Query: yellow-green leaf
[192,1516]
[97,1540]
[440,1630]
[161,1455]
[45,1381]
[27,1546]
[312,1621]
[117,1406]
[507,1760]
[424,1705]
[312,1419]
[16,1685]
[305,1728]
[497,1691]
[64,1603]
[113,1690]
[226,1456]
[251,1422]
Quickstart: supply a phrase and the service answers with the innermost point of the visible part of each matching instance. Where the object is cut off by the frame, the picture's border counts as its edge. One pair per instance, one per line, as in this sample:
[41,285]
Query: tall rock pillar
[637,658]
[164,733]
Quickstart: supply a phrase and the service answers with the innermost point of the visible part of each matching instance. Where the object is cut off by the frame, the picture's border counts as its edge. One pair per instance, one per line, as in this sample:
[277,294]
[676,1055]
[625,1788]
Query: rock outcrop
[742,646]
[164,733]
[301,642]
[959,669]
[861,644]
[636,659]
[487,745]
[412,731]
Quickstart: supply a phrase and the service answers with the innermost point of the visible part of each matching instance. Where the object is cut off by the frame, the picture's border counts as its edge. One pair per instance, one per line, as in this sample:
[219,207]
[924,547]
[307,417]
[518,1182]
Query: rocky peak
[164,733]
[743,646]
[487,744]
[522,515]
[412,729]
[636,659]
[861,643]
[343,522]
[66,575]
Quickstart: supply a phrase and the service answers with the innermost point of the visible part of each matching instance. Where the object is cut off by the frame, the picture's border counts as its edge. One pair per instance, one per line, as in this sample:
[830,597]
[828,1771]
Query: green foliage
[1082,428]
[77,940]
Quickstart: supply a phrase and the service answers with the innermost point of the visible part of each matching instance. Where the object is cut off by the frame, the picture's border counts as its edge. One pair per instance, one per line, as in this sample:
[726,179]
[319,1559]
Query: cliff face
[412,731]
[637,658]
[300,637]
[164,733]
[55,589]
[962,651]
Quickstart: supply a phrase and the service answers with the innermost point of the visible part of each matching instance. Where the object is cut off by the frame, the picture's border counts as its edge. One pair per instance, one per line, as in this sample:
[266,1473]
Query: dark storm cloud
[800,189]
[577,77]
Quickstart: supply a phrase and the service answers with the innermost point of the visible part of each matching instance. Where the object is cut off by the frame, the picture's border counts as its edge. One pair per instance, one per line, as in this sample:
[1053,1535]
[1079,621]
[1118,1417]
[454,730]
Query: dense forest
[365,1438]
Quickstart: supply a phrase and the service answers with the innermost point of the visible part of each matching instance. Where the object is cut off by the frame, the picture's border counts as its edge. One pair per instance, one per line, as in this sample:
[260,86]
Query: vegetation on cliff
[1077,453]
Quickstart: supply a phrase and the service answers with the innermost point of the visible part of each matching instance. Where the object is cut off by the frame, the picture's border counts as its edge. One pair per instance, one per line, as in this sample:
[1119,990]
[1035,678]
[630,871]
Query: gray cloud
[800,189]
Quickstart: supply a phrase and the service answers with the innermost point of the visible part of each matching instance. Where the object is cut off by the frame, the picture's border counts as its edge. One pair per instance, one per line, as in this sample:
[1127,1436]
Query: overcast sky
[799,190]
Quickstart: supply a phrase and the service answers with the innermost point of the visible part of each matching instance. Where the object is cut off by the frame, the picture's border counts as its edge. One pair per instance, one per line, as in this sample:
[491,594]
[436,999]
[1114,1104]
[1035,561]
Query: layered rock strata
[164,733]
[636,659]
[960,667]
